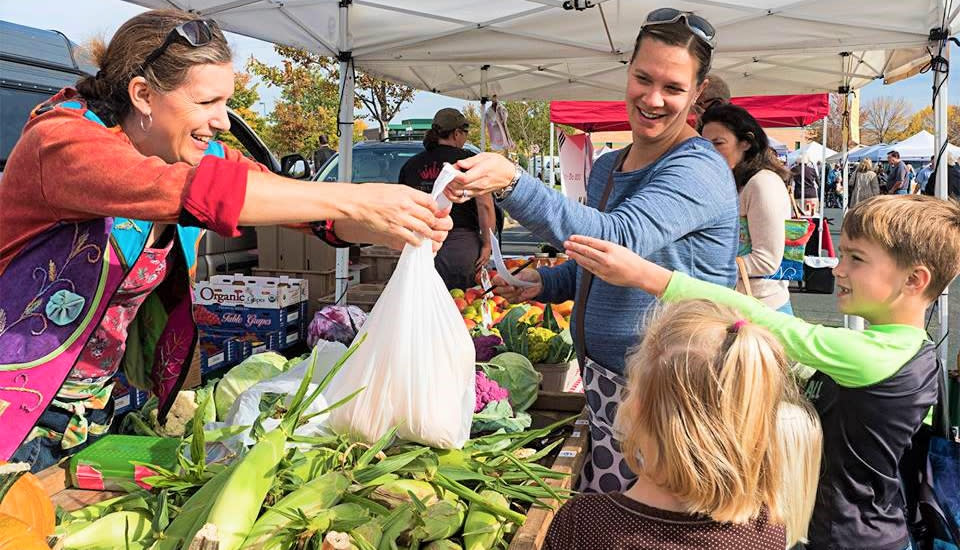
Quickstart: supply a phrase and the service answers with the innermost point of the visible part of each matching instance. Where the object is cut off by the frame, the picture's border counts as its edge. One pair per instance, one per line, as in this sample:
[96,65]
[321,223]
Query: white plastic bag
[245,410]
[417,363]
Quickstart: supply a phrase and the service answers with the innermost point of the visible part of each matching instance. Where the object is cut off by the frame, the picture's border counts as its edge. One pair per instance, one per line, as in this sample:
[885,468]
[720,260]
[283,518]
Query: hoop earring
[149,125]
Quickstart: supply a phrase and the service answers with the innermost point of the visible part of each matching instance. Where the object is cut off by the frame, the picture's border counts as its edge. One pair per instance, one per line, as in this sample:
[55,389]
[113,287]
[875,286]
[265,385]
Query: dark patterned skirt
[604,470]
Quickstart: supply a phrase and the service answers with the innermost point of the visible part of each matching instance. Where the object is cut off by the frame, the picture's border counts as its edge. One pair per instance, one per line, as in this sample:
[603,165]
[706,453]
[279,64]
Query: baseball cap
[449,119]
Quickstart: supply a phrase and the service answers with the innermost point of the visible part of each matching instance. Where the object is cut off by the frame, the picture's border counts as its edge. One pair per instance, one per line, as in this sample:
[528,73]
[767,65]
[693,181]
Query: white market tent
[918,147]
[813,152]
[861,152]
[577,49]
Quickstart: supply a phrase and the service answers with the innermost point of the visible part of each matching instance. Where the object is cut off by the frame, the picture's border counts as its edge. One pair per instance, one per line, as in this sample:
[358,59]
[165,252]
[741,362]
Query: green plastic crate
[107,464]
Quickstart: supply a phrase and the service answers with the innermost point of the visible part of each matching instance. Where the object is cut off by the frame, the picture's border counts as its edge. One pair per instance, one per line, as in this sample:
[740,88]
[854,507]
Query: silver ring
[464,194]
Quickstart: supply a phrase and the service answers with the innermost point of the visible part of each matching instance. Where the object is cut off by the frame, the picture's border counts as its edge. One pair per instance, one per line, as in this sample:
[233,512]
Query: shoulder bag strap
[744,278]
[583,291]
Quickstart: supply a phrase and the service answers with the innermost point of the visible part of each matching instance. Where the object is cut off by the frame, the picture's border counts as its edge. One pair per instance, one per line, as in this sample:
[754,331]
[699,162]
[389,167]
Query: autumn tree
[883,119]
[529,124]
[244,97]
[472,114]
[923,120]
[307,107]
[814,132]
[382,98]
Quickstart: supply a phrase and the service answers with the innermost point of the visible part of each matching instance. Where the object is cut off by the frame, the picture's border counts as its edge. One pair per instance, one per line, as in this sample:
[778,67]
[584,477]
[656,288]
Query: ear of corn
[114,530]
[399,492]
[440,520]
[445,544]
[319,494]
[482,528]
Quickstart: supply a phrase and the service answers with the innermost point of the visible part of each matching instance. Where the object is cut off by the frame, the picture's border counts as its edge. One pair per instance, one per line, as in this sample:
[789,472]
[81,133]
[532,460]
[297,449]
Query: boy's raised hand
[617,265]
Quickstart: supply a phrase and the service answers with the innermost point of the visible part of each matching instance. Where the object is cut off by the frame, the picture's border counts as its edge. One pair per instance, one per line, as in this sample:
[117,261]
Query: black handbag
[930,472]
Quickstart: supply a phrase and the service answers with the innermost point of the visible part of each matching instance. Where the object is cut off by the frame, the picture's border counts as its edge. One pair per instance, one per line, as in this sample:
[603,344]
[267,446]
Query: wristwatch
[502,194]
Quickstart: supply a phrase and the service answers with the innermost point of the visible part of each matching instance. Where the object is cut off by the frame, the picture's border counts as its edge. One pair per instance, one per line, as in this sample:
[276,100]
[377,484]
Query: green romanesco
[539,342]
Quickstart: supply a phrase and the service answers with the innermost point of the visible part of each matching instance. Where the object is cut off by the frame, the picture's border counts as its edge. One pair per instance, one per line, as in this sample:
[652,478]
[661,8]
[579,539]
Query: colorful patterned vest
[55,293]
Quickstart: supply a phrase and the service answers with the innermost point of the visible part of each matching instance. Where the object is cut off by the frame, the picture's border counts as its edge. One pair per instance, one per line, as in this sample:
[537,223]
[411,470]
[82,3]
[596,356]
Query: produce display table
[549,407]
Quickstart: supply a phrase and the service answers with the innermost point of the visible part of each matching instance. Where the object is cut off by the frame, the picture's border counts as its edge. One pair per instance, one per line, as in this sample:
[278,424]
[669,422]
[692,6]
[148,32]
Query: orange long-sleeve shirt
[66,167]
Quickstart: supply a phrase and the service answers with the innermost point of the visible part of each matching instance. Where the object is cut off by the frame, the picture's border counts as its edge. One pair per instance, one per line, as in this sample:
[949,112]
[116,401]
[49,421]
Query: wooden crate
[364,296]
[383,261]
[551,407]
[54,481]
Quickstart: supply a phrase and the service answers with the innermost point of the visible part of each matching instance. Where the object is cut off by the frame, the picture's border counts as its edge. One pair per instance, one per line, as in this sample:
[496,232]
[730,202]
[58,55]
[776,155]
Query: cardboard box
[267,252]
[126,397]
[250,291]
[247,319]
[292,249]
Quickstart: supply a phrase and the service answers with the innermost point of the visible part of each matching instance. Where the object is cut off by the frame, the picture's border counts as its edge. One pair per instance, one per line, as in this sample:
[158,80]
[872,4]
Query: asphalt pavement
[815,308]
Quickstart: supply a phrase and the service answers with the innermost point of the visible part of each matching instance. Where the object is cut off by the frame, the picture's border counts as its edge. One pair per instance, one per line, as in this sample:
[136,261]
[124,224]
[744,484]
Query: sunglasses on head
[700,27]
[196,33]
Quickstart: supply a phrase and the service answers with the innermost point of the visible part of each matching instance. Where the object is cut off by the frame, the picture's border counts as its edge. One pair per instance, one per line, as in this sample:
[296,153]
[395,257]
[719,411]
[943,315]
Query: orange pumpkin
[22,497]
[17,535]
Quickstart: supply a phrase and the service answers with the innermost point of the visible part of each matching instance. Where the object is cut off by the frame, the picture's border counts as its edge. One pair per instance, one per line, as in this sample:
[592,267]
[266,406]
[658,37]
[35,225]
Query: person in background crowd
[872,388]
[468,246]
[800,442]
[322,154]
[896,175]
[670,198]
[699,427]
[764,201]
[953,178]
[865,183]
[716,93]
[881,178]
[108,189]
[806,187]
[911,176]
[923,177]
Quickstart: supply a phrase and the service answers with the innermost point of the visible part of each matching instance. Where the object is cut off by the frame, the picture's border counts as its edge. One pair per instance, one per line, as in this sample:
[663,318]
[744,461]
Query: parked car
[34,65]
[380,162]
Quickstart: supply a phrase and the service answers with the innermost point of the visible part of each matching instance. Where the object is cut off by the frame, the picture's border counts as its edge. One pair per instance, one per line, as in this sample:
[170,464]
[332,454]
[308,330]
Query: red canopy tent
[772,111]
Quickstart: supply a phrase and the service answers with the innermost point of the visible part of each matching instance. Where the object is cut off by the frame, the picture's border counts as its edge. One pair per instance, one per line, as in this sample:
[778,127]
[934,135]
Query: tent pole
[553,163]
[345,129]
[940,106]
[483,108]
[823,181]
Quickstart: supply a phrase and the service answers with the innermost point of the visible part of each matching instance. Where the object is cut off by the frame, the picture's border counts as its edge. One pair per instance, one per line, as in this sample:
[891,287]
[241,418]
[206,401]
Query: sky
[81,20]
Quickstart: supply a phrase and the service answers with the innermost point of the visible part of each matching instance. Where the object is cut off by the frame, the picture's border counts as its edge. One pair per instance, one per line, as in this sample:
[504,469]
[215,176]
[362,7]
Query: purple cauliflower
[486,346]
[487,391]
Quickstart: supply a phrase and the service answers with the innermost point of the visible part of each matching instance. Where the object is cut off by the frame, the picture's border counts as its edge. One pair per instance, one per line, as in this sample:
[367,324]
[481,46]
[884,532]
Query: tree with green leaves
[382,98]
[244,97]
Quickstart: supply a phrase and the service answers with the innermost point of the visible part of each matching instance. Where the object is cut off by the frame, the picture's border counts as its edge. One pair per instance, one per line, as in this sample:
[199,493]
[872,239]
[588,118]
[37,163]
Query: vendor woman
[105,198]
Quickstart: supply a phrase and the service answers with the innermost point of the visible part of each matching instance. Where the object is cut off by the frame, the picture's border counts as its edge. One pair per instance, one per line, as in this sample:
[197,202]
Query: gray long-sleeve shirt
[679,212]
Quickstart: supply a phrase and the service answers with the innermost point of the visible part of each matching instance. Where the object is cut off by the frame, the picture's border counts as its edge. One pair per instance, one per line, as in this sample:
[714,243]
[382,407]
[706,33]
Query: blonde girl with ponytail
[698,427]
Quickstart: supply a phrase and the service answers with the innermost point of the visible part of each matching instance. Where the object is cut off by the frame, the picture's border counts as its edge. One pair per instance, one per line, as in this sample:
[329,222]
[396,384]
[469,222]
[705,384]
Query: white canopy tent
[812,152]
[918,147]
[861,152]
[577,49]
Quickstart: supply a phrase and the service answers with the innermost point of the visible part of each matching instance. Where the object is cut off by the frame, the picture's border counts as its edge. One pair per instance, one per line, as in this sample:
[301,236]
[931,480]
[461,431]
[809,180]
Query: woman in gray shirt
[669,197]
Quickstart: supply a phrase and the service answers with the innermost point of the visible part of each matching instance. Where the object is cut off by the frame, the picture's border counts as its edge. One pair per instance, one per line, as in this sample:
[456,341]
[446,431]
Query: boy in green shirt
[872,388]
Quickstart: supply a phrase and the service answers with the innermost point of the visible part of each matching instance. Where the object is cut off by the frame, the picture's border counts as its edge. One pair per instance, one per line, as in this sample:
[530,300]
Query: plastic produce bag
[336,324]
[247,406]
[417,364]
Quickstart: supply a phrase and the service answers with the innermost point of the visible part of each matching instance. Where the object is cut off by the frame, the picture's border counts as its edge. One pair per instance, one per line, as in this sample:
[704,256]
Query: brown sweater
[616,522]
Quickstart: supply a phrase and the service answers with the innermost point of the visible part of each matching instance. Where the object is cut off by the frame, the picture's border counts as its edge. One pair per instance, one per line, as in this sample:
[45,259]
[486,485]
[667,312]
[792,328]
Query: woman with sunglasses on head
[669,197]
[764,202]
[104,200]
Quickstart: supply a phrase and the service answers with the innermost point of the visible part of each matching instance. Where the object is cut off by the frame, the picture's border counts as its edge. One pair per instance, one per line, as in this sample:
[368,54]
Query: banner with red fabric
[771,111]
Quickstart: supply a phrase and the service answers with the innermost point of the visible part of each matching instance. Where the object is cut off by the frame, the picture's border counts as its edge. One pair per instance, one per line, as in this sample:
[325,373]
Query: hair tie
[735,327]
[99,75]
